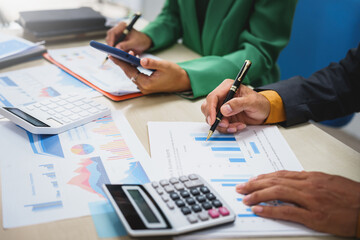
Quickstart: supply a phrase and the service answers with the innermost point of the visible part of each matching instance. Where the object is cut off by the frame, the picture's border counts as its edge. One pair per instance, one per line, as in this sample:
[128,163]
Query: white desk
[315,149]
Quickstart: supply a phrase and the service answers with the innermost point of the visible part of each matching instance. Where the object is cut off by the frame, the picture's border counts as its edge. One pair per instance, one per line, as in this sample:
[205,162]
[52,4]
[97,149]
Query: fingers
[288,213]
[278,192]
[214,99]
[234,106]
[284,174]
[257,185]
[114,33]
[129,70]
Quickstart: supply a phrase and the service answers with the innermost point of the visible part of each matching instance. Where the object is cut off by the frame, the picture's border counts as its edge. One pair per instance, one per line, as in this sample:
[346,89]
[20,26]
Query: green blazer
[233,31]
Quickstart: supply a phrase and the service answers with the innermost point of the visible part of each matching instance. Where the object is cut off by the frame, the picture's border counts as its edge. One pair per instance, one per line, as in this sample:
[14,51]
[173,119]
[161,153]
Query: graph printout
[30,85]
[225,160]
[52,177]
[87,62]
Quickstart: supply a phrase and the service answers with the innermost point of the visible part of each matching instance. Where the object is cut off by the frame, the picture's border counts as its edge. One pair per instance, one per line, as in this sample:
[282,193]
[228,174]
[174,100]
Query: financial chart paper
[179,148]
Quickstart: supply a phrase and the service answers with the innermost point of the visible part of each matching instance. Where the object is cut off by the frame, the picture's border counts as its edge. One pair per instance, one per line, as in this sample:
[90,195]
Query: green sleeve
[166,29]
[267,33]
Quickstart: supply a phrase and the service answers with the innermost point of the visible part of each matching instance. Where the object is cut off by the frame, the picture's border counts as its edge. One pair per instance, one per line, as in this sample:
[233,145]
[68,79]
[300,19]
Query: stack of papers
[15,50]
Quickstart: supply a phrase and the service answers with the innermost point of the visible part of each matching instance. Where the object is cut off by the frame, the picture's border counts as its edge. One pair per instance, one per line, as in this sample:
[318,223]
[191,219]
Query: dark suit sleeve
[327,94]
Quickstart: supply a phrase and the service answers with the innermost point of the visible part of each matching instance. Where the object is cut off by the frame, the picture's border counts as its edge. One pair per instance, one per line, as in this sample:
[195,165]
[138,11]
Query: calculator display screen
[26,117]
[143,206]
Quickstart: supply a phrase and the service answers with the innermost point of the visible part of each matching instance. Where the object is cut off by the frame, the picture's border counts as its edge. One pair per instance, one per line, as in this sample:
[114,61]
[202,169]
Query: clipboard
[115,98]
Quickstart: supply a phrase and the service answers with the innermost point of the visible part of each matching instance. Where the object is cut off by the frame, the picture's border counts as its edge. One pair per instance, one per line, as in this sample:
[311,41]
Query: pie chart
[82,149]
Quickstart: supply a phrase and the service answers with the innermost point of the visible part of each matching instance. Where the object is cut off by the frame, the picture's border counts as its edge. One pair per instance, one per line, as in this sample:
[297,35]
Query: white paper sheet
[29,85]
[87,62]
[179,148]
[53,177]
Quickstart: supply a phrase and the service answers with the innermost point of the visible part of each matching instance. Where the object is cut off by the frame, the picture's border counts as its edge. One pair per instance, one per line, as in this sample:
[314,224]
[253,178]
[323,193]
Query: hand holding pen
[239,78]
[112,33]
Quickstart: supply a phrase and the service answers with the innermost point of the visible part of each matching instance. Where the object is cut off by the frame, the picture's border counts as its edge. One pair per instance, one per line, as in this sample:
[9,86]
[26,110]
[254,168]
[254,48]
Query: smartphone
[117,53]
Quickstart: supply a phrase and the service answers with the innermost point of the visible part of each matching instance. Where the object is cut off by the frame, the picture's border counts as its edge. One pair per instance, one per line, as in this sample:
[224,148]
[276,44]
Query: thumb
[124,45]
[234,106]
[153,64]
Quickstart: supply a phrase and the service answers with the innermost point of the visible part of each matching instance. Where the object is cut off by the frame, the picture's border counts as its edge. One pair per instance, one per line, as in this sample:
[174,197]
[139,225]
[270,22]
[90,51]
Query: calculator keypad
[68,108]
[192,197]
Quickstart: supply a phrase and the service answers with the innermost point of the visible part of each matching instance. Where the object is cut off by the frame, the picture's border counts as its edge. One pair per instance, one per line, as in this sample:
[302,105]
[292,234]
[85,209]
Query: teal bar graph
[225,149]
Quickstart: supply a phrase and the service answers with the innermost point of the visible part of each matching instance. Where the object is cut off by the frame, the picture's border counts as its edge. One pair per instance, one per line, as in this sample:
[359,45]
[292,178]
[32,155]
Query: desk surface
[315,149]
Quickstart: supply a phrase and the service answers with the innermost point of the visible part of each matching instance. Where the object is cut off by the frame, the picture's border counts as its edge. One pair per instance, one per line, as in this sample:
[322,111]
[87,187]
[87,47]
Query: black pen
[126,31]
[239,78]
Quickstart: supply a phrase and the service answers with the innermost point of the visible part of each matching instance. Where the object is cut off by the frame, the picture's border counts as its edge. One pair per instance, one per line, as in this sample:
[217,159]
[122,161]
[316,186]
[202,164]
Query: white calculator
[56,115]
[168,207]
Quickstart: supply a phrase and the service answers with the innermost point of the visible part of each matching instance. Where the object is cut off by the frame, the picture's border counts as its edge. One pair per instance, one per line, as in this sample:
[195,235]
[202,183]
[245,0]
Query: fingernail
[226,109]
[208,119]
[222,124]
[252,178]
[246,199]
[240,186]
[257,209]
[241,126]
[231,130]
[144,61]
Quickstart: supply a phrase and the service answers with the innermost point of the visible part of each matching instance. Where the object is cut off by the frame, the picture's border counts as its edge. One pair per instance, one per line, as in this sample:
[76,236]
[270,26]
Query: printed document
[51,177]
[30,85]
[225,160]
[87,62]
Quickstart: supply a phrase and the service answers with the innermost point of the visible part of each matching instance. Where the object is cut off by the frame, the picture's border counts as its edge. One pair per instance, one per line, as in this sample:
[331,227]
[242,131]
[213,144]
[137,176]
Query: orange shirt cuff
[277,111]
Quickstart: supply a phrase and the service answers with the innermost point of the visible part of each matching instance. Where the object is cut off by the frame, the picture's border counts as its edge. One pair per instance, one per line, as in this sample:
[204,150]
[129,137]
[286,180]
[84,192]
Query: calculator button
[169,188]
[51,112]
[189,184]
[185,210]
[174,196]
[164,182]
[30,107]
[183,178]
[74,117]
[165,198]
[37,105]
[206,205]
[173,180]
[170,205]
[93,110]
[154,184]
[193,177]
[180,203]
[52,105]
[196,208]
[204,189]
[65,113]
[84,114]
[192,219]
[185,194]
[224,211]
[197,183]
[94,104]
[210,196]
[179,186]
[68,106]
[59,109]
[203,216]
[201,198]
[85,107]
[75,110]
[216,203]
[65,120]
[58,116]
[190,201]
[213,213]
[195,192]
[43,108]
[159,191]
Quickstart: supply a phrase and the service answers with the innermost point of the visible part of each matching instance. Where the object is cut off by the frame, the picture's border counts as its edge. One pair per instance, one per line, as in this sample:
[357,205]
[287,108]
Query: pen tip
[105,60]
[209,135]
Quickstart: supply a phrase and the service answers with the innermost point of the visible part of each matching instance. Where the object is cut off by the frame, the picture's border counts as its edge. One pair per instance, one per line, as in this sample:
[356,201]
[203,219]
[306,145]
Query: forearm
[166,28]
[329,93]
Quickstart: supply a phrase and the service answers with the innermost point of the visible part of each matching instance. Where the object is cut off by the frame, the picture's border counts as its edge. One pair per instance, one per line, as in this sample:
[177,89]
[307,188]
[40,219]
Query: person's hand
[323,202]
[135,40]
[168,77]
[247,107]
